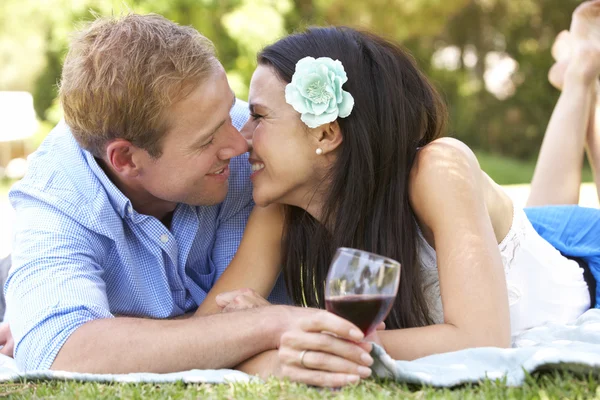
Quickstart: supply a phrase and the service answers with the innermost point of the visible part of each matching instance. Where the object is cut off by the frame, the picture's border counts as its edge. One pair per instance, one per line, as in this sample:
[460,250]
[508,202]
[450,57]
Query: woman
[353,151]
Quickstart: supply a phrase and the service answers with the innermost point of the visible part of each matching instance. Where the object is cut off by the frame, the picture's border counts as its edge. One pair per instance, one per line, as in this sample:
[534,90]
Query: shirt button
[129,210]
[164,238]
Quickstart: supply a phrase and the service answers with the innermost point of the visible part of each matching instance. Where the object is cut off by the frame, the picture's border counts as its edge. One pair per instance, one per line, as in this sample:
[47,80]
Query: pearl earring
[319,151]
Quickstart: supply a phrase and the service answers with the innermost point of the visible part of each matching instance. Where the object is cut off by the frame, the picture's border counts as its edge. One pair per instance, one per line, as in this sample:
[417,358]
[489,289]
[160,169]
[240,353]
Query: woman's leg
[593,142]
[557,175]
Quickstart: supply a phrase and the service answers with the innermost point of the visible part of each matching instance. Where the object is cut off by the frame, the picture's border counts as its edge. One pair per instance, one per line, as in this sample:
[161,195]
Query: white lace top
[543,286]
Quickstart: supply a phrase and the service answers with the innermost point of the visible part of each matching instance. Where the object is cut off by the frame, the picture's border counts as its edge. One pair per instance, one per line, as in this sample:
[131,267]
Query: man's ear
[329,136]
[120,155]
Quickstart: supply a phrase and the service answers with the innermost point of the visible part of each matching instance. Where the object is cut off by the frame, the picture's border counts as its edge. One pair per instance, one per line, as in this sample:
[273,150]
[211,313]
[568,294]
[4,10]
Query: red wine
[364,311]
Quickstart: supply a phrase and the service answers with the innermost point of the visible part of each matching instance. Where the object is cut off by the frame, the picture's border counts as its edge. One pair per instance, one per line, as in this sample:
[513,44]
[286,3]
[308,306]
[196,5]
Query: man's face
[194,165]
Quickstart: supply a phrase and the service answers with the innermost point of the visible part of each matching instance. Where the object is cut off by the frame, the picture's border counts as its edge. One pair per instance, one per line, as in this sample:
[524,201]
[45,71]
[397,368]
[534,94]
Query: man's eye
[209,143]
[256,116]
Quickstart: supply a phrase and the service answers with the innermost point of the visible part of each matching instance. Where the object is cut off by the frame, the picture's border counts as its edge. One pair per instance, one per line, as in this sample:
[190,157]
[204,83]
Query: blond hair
[122,73]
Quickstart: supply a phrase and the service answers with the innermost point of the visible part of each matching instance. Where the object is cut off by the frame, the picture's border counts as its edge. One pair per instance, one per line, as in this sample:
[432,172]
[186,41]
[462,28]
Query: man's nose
[236,146]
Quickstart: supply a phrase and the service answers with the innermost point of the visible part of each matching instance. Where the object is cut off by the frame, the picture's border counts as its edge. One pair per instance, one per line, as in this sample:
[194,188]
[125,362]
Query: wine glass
[361,287]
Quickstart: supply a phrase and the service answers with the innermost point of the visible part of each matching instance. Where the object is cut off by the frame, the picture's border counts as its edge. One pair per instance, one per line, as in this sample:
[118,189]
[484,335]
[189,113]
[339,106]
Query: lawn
[541,387]
[508,171]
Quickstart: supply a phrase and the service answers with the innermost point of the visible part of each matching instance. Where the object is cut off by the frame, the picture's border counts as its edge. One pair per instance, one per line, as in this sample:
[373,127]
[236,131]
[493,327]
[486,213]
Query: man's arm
[123,345]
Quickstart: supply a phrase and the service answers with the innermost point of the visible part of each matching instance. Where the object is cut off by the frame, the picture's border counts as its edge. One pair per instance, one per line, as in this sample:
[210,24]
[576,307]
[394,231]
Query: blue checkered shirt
[81,252]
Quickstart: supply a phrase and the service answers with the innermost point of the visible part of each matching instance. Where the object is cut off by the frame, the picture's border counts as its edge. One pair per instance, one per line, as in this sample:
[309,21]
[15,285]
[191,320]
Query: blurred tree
[489,58]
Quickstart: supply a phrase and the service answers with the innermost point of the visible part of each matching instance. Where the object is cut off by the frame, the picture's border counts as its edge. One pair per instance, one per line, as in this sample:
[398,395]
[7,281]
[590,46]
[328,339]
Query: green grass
[541,387]
[508,171]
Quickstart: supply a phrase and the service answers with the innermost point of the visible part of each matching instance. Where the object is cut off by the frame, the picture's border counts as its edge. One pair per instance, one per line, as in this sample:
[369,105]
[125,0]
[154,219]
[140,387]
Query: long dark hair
[367,203]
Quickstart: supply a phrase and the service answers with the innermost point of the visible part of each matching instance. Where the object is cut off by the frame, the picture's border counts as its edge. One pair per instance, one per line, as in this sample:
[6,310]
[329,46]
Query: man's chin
[206,201]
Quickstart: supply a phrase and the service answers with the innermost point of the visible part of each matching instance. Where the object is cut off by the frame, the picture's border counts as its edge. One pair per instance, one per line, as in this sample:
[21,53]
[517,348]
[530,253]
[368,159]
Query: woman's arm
[257,262]
[448,196]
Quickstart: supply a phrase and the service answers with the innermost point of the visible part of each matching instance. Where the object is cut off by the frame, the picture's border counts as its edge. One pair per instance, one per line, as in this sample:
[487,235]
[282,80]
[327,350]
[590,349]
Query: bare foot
[584,64]
[561,48]
[556,75]
[581,42]
[585,24]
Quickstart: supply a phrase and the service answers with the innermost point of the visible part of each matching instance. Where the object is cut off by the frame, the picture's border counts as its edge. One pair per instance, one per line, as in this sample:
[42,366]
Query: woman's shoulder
[446,176]
[444,152]
[442,173]
[443,163]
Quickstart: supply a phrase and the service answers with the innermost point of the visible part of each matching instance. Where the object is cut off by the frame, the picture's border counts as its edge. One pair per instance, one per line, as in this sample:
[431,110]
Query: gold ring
[302,358]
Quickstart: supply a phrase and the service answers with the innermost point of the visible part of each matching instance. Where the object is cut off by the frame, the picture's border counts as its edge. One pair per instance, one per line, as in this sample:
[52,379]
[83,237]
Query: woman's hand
[323,349]
[240,300]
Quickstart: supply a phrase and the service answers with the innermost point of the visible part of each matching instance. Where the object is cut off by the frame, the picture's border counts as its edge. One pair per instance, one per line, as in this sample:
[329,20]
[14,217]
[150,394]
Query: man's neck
[141,201]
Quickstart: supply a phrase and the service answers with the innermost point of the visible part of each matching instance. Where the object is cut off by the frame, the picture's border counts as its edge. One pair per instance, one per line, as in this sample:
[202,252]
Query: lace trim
[431,286]
[508,246]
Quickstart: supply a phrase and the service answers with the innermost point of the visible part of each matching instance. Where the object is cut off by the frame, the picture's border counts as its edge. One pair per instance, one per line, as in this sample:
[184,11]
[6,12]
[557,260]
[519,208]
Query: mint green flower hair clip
[316,91]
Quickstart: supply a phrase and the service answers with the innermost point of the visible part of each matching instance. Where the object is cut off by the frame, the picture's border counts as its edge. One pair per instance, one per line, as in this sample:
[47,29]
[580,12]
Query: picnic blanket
[573,347]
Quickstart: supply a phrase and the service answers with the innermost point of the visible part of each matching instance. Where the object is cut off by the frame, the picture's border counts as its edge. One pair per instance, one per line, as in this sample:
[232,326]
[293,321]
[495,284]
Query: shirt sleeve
[55,284]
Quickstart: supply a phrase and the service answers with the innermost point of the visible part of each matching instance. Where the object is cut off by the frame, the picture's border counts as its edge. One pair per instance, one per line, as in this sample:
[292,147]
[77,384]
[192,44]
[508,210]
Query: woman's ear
[329,136]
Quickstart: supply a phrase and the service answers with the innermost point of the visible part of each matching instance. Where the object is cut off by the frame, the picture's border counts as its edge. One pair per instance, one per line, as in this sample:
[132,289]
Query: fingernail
[366,359]
[356,334]
[352,378]
[364,372]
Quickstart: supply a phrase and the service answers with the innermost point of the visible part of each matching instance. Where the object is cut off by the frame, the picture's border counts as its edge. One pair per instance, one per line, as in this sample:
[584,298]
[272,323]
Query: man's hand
[240,300]
[6,340]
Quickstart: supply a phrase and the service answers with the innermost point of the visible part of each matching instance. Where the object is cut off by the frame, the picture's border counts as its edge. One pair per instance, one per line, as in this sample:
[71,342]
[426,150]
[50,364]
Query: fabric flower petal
[313,121]
[295,99]
[345,107]
[319,108]
[316,91]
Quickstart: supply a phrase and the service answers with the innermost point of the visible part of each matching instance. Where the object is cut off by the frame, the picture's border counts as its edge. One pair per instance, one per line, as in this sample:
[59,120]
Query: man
[134,208]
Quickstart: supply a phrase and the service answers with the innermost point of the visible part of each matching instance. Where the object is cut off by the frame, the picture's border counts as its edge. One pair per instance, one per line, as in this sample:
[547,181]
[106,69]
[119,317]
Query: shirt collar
[118,200]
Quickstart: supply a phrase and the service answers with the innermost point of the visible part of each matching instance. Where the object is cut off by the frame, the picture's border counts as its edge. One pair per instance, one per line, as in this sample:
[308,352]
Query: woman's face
[286,168]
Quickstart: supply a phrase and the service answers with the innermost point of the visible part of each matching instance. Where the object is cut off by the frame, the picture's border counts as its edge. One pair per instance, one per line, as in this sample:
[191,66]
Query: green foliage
[523,30]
